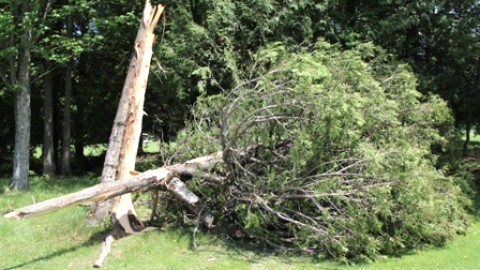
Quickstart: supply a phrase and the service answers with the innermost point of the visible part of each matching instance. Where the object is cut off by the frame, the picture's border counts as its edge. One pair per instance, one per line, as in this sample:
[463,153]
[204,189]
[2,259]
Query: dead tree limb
[158,179]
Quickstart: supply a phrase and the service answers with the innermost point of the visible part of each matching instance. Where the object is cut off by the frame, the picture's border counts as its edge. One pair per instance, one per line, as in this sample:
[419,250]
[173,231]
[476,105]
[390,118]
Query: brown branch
[104,191]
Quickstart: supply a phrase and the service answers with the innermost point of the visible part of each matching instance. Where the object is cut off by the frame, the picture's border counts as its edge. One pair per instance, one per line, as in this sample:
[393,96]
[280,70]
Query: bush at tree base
[327,152]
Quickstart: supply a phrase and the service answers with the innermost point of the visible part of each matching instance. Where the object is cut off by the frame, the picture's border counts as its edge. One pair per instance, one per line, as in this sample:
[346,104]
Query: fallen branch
[158,179]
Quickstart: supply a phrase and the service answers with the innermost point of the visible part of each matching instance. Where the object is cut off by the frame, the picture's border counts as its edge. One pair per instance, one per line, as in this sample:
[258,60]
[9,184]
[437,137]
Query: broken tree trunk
[123,206]
[164,178]
[126,131]
[159,179]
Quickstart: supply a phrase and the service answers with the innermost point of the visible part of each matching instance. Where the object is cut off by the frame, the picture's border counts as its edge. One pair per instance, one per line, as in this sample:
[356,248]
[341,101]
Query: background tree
[26,22]
[439,39]
[48,150]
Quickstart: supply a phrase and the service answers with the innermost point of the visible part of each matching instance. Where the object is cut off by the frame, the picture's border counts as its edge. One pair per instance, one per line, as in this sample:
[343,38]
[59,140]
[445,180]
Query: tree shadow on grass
[95,239]
[239,246]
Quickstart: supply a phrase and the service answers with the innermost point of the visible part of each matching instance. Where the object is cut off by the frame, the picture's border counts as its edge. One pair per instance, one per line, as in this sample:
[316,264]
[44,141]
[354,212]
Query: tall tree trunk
[57,121]
[468,128]
[67,125]
[79,101]
[125,136]
[67,119]
[22,124]
[48,149]
[79,142]
[136,83]
[21,153]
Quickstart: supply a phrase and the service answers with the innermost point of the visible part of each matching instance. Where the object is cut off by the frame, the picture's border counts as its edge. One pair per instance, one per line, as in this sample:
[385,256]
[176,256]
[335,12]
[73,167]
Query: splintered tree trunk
[125,136]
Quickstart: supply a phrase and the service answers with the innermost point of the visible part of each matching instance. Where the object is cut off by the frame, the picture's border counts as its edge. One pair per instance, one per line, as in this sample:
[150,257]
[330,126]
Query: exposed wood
[106,246]
[123,205]
[126,131]
[149,180]
[100,192]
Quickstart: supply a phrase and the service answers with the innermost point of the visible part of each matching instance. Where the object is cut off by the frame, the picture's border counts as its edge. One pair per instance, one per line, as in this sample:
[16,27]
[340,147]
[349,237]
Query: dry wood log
[142,182]
[149,180]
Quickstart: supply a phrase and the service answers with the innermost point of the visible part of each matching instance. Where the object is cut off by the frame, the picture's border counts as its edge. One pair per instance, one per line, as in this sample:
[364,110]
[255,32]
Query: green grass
[60,240]
[461,253]
[151,147]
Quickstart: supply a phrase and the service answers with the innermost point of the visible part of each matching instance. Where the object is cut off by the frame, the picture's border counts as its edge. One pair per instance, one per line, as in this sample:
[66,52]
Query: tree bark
[79,141]
[79,115]
[21,153]
[125,136]
[67,112]
[47,149]
[468,129]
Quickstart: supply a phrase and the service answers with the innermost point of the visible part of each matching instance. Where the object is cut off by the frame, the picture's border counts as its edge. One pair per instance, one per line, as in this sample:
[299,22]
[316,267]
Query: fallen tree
[165,178]
[326,152]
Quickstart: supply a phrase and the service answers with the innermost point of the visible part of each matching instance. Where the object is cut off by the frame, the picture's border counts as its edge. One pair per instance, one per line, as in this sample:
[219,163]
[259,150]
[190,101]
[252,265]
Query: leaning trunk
[125,136]
[137,85]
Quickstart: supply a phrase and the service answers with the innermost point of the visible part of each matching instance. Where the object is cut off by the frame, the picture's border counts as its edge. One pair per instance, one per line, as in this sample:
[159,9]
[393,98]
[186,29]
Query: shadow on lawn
[95,239]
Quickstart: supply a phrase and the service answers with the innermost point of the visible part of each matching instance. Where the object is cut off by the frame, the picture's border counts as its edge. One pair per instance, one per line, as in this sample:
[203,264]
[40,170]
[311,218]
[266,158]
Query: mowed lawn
[60,240]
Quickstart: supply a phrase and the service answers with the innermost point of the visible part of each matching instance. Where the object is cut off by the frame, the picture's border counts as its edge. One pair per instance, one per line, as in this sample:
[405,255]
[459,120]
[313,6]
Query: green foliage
[440,39]
[329,152]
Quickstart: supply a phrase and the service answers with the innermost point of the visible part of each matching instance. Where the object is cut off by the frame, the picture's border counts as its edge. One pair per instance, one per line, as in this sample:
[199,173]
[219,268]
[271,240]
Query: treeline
[65,61]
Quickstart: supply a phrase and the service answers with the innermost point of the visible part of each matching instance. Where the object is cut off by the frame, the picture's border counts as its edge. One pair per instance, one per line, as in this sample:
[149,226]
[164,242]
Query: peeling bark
[123,206]
[126,131]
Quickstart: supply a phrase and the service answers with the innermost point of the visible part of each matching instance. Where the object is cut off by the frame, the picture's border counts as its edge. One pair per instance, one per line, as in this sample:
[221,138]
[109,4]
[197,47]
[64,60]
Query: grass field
[60,240]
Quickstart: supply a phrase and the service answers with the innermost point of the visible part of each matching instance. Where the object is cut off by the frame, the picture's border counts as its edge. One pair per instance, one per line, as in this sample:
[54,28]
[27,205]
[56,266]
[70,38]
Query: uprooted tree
[323,151]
